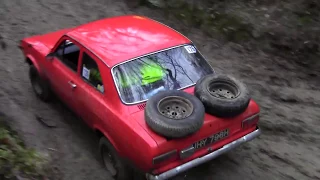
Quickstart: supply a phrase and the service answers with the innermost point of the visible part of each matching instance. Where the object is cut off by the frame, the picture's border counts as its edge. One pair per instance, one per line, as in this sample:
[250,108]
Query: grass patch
[16,159]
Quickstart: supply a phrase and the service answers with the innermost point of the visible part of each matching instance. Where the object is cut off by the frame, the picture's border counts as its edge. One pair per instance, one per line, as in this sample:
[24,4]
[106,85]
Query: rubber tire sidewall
[124,171]
[46,94]
[218,106]
[171,128]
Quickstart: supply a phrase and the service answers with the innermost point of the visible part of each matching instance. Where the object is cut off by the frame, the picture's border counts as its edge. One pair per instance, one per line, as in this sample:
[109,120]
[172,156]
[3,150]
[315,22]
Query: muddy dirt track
[289,97]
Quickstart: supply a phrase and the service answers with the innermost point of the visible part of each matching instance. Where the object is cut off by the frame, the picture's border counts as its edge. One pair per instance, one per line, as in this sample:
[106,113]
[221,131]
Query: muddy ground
[288,94]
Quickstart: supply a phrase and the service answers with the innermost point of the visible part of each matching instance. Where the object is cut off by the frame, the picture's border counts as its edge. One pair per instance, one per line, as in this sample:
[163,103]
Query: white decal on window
[190,49]
[86,73]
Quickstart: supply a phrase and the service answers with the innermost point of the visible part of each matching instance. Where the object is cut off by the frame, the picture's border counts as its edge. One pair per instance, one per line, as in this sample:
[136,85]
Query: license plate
[211,139]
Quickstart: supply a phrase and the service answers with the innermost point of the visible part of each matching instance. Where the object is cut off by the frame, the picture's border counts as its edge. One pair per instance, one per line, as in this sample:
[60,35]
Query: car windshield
[175,68]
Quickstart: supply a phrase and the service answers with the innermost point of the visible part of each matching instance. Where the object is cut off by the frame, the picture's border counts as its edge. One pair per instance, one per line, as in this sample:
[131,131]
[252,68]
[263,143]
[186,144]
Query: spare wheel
[174,114]
[222,95]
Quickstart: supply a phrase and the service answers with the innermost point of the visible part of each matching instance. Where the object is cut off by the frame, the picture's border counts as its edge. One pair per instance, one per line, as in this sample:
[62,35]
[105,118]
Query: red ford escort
[154,101]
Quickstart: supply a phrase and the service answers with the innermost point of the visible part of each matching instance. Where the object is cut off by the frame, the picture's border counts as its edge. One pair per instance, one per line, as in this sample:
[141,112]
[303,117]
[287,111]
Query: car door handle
[72,84]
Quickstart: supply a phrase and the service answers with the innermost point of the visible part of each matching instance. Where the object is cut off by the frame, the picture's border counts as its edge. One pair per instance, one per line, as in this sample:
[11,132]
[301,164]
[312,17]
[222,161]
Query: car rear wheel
[113,163]
[40,87]
[174,114]
[222,95]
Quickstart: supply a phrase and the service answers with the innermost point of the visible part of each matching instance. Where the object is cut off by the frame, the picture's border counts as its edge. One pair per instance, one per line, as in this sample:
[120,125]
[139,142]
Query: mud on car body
[154,101]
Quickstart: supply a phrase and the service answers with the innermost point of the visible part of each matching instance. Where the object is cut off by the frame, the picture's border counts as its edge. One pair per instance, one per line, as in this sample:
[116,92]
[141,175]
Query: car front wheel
[40,87]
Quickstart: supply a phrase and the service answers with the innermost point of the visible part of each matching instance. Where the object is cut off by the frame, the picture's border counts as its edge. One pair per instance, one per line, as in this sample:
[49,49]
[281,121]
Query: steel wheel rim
[175,107]
[224,90]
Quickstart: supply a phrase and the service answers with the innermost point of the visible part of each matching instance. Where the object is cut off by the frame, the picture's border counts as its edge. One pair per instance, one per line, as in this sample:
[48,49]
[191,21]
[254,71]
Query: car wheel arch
[32,61]
[29,61]
[100,134]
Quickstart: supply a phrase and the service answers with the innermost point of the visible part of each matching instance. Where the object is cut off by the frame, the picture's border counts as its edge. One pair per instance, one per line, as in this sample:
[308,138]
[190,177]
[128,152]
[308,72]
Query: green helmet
[150,73]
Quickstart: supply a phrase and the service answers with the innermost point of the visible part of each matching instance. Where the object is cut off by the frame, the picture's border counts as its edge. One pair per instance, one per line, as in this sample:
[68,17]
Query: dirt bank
[288,94]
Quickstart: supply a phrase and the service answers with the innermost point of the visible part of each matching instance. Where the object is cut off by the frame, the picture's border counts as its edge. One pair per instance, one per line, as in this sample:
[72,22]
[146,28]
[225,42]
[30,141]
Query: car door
[63,71]
[90,93]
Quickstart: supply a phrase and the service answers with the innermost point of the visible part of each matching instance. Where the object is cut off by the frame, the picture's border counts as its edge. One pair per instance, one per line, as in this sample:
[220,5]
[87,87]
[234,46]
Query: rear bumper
[184,167]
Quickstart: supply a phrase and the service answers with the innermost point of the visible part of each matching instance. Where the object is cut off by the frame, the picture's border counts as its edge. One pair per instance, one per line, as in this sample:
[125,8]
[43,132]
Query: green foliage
[282,27]
[210,21]
[230,26]
[15,159]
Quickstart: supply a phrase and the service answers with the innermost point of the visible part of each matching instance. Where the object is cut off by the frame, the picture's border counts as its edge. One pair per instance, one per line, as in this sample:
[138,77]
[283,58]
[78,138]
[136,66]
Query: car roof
[121,38]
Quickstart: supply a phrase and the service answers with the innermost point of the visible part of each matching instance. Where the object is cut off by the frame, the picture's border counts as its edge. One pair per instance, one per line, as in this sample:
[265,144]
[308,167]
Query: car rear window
[175,68]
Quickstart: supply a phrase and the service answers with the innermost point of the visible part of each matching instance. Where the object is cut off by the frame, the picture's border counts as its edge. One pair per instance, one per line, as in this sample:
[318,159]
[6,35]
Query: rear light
[164,157]
[249,122]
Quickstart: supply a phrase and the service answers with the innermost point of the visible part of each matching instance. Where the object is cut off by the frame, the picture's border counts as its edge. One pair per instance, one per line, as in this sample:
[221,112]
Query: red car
[152,98]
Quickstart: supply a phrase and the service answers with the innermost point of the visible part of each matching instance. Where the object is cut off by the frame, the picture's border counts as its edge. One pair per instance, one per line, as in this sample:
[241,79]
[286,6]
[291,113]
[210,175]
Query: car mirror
[50,56]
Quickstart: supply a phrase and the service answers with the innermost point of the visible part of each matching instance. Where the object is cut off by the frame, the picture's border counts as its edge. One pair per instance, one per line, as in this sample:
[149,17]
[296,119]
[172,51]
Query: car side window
[90,72]
[68,53]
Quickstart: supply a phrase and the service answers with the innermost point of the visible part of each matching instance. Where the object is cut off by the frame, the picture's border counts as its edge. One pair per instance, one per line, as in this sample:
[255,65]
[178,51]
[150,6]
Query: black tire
[123,170]
[232,104]
[169,127]
[40,87]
